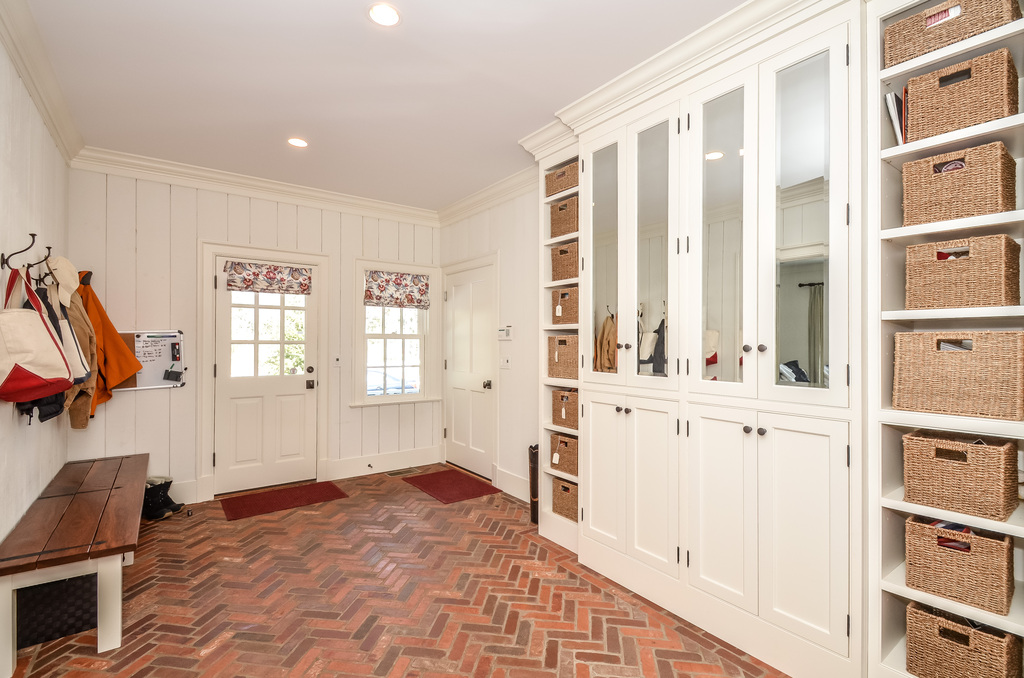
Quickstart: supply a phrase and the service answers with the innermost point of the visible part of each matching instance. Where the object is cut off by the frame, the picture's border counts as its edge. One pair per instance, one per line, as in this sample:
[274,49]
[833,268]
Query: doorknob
[309,369]
[487,384]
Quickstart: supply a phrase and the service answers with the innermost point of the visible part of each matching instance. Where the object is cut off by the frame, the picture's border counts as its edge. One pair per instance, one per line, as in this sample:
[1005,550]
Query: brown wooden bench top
[90,509]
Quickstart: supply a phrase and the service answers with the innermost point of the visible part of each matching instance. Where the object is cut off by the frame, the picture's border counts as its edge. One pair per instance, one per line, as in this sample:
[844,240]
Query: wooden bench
[86,521]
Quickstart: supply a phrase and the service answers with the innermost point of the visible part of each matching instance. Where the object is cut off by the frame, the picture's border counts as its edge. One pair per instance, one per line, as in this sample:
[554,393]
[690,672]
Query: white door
[804,525]
[652,483]
[723,504]
[471,324]
[266,409]
[603,468]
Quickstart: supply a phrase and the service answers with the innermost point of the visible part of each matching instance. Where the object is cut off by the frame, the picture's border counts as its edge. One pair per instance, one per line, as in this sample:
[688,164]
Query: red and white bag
[32,361]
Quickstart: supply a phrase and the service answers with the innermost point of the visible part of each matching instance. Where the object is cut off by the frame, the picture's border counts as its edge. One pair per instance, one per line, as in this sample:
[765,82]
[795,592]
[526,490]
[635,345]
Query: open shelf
[568,237]
[1011,222]
[945,422]
[574,327]
[1009,130]
[560,474]
[976,313]
[568,282]
[1014,525]
[561,429]
[960,51]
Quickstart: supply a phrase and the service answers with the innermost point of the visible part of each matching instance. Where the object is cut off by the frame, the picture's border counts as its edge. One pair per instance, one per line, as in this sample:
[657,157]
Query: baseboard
[335,469]
[185,491]
[510,483]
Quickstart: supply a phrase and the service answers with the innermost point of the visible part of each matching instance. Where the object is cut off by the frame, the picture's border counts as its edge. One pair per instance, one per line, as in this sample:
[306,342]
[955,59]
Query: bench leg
[8,628]
[108,603]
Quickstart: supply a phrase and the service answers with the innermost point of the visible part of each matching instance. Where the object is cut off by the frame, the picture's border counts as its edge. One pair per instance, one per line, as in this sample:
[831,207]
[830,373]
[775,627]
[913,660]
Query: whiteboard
[162,358]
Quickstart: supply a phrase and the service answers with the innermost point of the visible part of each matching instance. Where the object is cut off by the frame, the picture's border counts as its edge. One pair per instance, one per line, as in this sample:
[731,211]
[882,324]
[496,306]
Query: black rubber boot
[163,486]
[152,505]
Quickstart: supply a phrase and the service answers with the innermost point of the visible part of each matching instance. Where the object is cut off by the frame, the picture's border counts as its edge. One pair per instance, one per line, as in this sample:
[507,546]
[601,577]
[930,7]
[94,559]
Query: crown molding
[21,38]
[552,138]
[141,167]
[518,184]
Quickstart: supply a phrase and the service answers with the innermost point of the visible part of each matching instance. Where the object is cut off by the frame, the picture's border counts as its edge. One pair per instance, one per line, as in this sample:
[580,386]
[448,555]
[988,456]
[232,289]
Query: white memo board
[161,355]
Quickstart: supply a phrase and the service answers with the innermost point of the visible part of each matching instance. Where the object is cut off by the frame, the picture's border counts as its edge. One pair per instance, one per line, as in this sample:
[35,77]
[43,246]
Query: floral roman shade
[249,276]
[406,290]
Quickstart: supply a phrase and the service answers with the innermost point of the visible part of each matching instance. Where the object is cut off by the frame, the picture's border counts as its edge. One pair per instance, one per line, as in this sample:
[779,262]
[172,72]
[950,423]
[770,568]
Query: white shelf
[961,51]
[945,422]
[976,313]
[559,197]
[568,282]
[561,474]
[896,583]
[896,660]
[989,224]
[1009,130]
[574,327]
[568,237]
[1014,525]
[561,383]
[561,429]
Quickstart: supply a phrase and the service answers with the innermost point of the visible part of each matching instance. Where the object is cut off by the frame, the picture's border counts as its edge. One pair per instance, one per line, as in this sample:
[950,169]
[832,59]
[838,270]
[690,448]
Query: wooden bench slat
[119,527]
[133,471]
[20,550]
[102,474]
[68,479]
[73,536]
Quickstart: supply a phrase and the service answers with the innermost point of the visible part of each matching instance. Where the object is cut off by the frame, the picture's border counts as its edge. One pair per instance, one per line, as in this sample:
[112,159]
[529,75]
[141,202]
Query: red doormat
[451,486]
[258,503]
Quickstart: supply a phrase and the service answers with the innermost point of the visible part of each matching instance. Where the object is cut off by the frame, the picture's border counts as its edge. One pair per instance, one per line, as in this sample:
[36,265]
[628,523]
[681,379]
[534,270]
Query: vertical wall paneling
[309,235]
[370,235]
[153,312]
[390,425]
[119,302]
[407,430]
[262,223]
[351,227]
[371,430]
[287,227]
[424,426]
[184,280]
[238,219]
[329,240]
[480,234]
[407,243]
[212,216]
[387,244]
[424,246]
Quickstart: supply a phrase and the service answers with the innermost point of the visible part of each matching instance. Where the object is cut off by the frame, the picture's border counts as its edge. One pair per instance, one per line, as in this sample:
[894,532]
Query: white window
[394,346]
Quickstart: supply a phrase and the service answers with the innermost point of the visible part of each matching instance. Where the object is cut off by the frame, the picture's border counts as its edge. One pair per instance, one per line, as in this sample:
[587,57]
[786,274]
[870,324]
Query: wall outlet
[505,362]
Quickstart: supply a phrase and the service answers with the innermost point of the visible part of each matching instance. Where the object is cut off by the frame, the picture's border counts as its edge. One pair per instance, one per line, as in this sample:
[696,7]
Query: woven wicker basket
[986,381]
[565,261]
[564,453]
[985,272]
[565,217]
[564,356]
[565,306]
[984,184]
[913,36]
[942,645]
[565,408]
[965,94]
[982,577]
[958,473]
[565,499]
[562,179]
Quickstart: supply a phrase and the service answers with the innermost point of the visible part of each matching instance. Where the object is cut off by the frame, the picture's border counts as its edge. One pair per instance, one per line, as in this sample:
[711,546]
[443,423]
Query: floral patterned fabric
[406,290]
[249,276]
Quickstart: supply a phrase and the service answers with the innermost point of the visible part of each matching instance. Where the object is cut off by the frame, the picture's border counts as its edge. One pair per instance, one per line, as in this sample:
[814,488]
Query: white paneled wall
[33,199]
[510,230]
[142,239]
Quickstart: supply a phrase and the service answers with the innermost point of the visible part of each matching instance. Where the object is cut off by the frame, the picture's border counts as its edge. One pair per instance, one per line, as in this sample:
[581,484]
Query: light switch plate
[505,362]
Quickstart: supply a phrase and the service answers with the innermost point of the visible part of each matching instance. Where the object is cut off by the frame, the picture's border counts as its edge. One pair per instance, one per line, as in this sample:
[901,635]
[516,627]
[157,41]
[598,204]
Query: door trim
[206,350]
[492,260]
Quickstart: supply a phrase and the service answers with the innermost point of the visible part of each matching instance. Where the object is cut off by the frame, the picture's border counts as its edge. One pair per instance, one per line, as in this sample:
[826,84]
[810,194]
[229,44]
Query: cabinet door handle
[747,429]
[618,409]
[628,410]
[746,348]
[618,345]
[629,345]
[761,431]
[762,348]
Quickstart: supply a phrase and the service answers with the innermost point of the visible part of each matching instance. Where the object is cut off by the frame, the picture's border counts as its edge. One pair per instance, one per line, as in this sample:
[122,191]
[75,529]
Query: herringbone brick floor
[388,582]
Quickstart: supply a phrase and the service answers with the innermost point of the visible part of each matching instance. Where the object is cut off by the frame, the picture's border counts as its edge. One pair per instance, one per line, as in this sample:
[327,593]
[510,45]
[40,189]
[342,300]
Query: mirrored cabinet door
[723,231]
[653,205]
[803,271]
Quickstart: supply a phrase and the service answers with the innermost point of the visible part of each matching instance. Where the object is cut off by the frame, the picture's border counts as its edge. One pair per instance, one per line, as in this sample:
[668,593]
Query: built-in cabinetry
[887,239]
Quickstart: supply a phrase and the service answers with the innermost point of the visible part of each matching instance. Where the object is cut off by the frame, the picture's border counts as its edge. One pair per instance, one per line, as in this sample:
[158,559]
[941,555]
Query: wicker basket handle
[953,635]
[963,75]
[948,12]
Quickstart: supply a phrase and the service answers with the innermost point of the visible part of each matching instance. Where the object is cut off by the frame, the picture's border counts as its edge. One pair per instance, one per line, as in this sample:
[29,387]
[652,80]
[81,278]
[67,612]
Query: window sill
[388,401]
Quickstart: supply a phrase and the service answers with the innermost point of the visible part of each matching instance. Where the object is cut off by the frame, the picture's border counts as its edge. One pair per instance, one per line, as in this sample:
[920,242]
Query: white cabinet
[629,253]
[768,228]
[630,477]
[769,518]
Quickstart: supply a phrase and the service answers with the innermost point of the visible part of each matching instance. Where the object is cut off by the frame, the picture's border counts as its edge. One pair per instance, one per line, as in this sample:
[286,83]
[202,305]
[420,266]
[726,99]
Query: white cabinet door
[723,504]
[602,462]
[803,522]
[652,483]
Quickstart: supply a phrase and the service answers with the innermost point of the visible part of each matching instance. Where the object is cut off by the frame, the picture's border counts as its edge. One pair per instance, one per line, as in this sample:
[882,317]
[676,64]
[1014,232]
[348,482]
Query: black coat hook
[5,259]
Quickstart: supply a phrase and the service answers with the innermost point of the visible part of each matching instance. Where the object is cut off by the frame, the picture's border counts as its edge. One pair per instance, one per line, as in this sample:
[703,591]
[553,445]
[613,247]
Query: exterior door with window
[265,381]
[471,357]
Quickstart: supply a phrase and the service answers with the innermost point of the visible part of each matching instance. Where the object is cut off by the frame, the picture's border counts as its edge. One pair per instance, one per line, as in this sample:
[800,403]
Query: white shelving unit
[886,240]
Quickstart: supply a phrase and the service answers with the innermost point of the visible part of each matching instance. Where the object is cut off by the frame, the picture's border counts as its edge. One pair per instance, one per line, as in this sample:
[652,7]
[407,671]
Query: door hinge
[847,626]
[583,263]
[677,365]
[847,54]
[679,125]
[581,360]
[847,374]
[677,554]
[687,244]
[444,432]
[687,365]
[847,214]
[677,245]
[687,428]
[214,282]
[581,514]
[687,121]
[847,456]
[215,370]
[581,410]
[677,427]
[687,557]
[582,165]
[215,460]
[446,364]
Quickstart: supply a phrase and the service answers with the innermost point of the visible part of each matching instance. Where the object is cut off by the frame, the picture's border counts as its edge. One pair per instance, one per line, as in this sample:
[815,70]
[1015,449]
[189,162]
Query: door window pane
[270,360]
[801,229]
[722,259]
[243,325]
[294,325]
[294,358]
[605,257]
[270,324]
[243,359]
[243,298]
[652,250]
[298,300]
[269,299]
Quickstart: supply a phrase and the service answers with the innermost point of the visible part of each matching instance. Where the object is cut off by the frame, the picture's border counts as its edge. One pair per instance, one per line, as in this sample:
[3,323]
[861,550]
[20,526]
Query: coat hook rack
[5,259]
[42,277]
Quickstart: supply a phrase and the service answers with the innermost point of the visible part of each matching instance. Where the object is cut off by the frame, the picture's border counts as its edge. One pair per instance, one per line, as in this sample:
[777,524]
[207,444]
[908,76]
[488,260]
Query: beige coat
[606,353]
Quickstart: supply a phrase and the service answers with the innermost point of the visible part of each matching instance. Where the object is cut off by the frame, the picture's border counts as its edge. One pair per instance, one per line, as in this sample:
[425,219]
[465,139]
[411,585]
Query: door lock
[310,384]
[487,384]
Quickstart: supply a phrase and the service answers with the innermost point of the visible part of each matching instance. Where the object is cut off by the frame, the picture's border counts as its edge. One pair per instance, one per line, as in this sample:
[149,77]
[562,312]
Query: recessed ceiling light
[298,143]
[384,14]
[714,155]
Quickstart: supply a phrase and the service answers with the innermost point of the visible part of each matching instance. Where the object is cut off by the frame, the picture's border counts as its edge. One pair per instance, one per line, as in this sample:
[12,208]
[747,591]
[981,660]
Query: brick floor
[388,582]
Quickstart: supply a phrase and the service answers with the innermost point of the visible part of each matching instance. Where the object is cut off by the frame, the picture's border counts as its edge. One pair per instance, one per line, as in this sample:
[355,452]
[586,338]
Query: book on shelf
[894,104]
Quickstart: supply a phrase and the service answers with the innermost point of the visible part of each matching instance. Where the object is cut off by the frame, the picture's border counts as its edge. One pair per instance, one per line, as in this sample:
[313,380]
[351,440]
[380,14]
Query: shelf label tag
[554,459]
[558,311]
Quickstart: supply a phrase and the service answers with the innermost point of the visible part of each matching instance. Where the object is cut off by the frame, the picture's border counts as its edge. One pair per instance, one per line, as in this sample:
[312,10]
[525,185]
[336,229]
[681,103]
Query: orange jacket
[115,360]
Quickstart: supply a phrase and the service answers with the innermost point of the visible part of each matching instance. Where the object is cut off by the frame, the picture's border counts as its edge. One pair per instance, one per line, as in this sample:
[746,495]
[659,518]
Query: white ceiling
[423,114]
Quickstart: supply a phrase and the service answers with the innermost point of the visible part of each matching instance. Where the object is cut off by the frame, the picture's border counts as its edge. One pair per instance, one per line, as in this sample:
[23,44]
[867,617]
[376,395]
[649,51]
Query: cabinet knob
[762,348]
[628,346]
[628,410]
[747,429]
[618,409]
[746,348]
[761,431]
[618,345]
